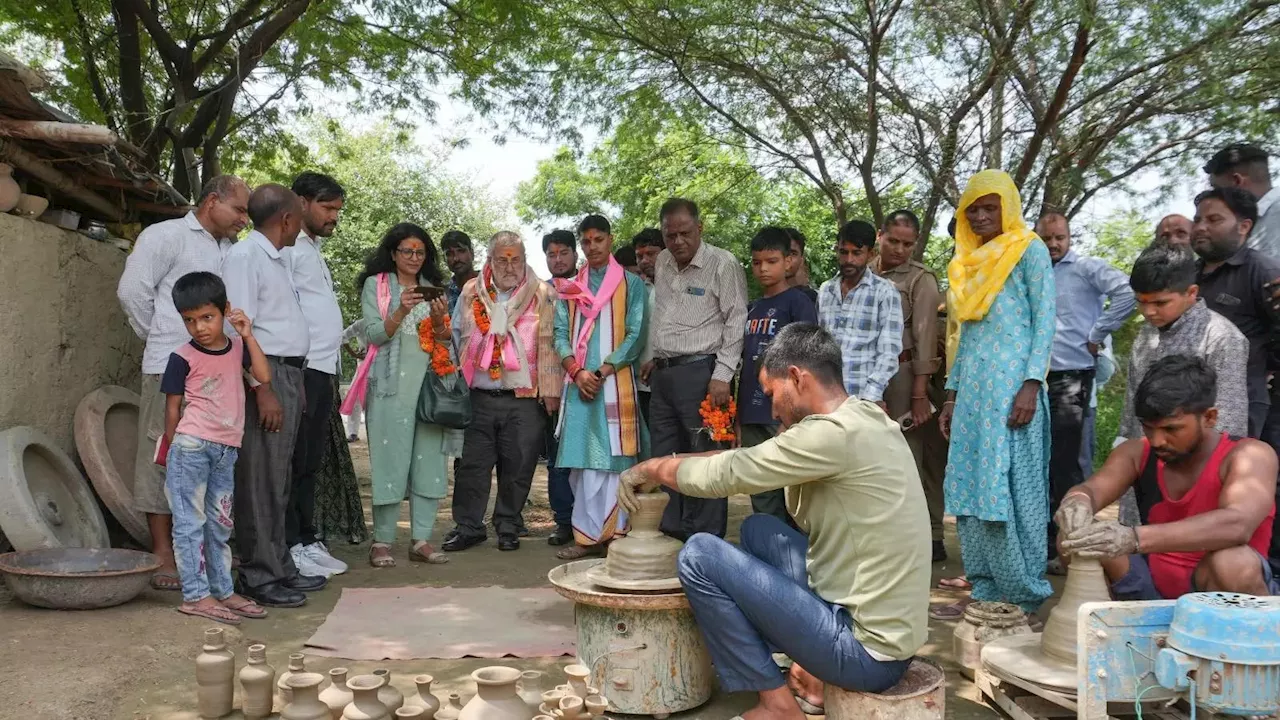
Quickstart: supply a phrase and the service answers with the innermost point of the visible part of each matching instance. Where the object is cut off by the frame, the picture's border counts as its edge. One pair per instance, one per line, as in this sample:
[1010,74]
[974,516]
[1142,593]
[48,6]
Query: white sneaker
[317,553]
[307,566]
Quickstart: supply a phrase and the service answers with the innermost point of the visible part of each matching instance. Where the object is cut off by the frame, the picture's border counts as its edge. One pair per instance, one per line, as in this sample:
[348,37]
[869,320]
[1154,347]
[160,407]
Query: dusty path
[135,661]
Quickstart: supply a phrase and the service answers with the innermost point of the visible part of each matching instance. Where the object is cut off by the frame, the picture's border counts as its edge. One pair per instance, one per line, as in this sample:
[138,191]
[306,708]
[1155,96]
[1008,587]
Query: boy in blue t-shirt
[778,306]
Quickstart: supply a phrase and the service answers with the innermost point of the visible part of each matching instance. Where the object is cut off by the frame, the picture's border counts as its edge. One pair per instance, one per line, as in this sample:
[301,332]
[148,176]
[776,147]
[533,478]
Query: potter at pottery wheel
[644,560]
[600,576]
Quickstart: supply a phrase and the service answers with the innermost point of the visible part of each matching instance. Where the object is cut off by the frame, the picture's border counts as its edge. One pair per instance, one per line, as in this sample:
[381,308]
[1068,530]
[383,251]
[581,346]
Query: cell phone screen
[428,292]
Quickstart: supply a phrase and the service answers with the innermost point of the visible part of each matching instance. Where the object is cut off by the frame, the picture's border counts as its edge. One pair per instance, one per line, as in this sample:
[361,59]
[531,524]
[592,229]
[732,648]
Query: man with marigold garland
[502,327]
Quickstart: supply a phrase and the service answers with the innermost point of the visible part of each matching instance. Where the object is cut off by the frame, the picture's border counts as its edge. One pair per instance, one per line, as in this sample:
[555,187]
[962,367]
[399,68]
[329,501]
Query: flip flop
[166,580]
[247,609]
[954,611]
[959,582]
[216,614]
[807,707]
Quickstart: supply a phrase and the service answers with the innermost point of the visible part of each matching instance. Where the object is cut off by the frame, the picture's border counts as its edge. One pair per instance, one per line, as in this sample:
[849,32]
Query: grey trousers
[264,477]
[506,432]
[675,426]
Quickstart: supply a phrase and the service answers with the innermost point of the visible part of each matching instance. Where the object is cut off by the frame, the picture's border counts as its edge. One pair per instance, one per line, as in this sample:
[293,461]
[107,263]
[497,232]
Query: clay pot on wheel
[424,699]
[496,697]
[337,696]
[365,704]
[392,698]
[304,688]
[451,709]
[9,190]
[645,554]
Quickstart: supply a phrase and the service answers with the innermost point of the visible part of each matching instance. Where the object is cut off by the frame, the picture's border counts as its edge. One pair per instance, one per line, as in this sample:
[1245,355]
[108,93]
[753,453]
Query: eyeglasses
[508,263]
[411,253]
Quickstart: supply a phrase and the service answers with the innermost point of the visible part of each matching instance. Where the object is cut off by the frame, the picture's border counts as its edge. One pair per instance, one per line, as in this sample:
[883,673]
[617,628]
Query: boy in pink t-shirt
[204,422]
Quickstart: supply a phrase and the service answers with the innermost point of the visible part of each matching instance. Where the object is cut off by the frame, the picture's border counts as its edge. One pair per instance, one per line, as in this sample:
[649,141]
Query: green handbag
[445,401]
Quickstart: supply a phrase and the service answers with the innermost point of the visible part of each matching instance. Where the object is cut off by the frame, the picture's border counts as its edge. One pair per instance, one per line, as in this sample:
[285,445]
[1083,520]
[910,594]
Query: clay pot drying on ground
[337,696]
[496,697]
[365,704]
[451,709]
[551,700]
[9,190]
[411,712]
[257,683]
[579,675]
[215,675]
[424,699]
[388,695]
[297,664]
[571,708]
[531,688]
[304,689]
[595,705]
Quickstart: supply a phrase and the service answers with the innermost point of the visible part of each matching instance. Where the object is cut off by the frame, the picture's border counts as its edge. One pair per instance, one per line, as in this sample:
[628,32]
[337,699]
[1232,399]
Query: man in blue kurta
[600,329]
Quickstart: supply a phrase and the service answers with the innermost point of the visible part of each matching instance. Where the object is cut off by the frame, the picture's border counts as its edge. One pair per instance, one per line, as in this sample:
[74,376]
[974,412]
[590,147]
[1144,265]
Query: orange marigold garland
[718,421]
[441,363]
[482,322]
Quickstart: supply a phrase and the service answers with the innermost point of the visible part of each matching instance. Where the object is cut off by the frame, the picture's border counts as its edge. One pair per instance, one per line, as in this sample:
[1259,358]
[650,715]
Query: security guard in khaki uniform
[913,397]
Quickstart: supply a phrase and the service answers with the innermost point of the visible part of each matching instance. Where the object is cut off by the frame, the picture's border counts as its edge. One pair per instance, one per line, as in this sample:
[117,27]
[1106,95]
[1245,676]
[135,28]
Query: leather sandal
[431,558]
[381,559]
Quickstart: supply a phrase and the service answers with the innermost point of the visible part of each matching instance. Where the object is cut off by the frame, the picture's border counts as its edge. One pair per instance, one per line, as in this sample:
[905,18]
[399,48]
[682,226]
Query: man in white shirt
[322,199]
[259,284]
[163,253]
[1245,166]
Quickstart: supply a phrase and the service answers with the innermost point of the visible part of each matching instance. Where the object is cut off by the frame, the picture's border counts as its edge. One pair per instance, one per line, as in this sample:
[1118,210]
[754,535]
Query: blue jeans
[200,484]
[753,599]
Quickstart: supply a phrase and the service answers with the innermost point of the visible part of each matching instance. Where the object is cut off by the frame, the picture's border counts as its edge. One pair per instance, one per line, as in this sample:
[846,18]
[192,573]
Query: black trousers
[308,455]
[1069,392]
[675,426]
[1271,436]
[506,432]
[264,474]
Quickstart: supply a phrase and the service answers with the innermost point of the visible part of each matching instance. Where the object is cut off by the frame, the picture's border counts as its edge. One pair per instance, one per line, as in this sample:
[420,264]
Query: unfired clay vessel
[551,700]
[411,712]
[392,698]
[9,190]
[337,696]
[983,622]
[496,697]
[595,705]
[645,553]
[531,688]
[1085,583]
[304,688]
[215,675]
[452,709]
[571,708]
[365,704]
[297,664]
[423,698]
[579,675]
[257,684]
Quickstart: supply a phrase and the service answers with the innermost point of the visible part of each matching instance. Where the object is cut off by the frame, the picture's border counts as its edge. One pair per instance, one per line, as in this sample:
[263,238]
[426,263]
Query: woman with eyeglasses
[407,455]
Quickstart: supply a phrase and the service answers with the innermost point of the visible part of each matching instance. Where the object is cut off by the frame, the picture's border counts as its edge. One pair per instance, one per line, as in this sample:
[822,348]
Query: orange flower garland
[441,363]
[482,322]
[718,421]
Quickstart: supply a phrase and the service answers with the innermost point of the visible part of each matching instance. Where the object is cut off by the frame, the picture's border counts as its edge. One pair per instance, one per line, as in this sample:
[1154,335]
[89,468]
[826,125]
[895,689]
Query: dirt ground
[136,661]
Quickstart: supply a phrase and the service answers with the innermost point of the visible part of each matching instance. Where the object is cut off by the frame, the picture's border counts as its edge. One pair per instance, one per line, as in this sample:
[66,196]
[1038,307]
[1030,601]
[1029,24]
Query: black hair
[1240,202]
[318,187]
[220,185]
[269,200]
[772,237]
[559,237]
[197,289]
[1175,384]
[1240,156]
[806,346]
[455,238]
[625,255]
[649,237]
[797,237]
[951,227]
[595,222]
[901,217]
[858,233]
[1163,268]
[675,205]
[382,259]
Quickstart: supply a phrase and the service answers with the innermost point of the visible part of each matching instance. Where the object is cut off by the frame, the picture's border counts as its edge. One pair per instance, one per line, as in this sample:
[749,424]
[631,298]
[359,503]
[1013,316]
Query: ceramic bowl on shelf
[30,205]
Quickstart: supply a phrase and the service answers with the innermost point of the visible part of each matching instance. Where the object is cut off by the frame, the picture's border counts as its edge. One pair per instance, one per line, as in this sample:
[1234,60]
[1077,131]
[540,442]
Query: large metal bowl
[77,578]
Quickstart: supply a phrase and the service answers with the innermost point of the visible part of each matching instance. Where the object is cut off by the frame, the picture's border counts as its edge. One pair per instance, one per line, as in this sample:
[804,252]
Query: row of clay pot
[342,693]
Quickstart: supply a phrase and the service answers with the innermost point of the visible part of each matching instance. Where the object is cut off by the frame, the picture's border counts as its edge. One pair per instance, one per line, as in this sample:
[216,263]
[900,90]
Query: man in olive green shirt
[848,603]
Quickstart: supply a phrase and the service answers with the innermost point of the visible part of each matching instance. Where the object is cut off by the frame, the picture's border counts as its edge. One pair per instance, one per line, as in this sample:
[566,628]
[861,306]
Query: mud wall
[62,332]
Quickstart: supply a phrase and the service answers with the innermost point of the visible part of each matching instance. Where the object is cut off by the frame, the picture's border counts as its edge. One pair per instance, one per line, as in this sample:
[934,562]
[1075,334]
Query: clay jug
[257,686]
[337,696]
[571,708]
[645,553]
[296,665]
[411,712]
[595,705]
[424,699]
[531,688]
[304,688]
[579,675]
[9,190]
[365,704]
[388,695]
[496,697]
[452,709]
[215,675]
[1085,583]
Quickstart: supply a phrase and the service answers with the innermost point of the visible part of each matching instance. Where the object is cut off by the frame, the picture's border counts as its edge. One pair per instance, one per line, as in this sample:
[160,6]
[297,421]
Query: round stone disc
[604,579]
[1020,657]
[44,500]
[106,430]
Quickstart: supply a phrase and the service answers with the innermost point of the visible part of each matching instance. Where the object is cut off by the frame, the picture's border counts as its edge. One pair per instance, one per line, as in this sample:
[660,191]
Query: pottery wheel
[106,430]
[598,576]
[44,500]
[1020,657]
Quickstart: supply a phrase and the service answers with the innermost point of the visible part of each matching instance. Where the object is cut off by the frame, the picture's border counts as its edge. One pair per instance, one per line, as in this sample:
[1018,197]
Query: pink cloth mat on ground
[414,623]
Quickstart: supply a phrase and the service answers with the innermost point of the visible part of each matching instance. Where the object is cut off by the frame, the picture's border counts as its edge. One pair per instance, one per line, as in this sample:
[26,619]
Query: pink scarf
[360,383]
[589,304]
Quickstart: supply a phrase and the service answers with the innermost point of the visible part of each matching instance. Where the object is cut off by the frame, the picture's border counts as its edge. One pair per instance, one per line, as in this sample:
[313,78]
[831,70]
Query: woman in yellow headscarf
[1003,304]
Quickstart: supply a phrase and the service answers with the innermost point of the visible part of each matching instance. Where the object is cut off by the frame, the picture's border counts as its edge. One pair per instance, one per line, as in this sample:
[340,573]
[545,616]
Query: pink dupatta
[589,304]
[360,383]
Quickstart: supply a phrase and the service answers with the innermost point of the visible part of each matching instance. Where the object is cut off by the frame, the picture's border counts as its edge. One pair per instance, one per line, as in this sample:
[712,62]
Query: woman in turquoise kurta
[601,430]
[1002,294]
[407,456]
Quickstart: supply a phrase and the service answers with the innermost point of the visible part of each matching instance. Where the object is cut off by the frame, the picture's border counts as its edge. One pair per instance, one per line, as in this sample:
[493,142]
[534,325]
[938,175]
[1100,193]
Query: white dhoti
[597,516]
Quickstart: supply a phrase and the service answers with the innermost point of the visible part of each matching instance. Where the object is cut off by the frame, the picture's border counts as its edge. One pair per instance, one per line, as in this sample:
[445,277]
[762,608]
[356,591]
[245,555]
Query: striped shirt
[867,322]
[700,310]
[163,253]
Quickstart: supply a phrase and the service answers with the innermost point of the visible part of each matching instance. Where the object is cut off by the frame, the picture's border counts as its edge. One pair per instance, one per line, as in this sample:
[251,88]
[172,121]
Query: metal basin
[77,578]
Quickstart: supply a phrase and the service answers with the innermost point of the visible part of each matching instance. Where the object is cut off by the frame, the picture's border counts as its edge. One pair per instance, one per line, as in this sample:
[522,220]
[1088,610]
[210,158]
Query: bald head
[1174,230]
[276,212]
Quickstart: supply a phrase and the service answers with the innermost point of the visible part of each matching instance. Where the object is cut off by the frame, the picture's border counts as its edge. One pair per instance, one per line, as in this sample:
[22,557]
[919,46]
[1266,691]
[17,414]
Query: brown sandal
[245,608]
[431,558]
[216,613]
[380,556]
[577,552]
